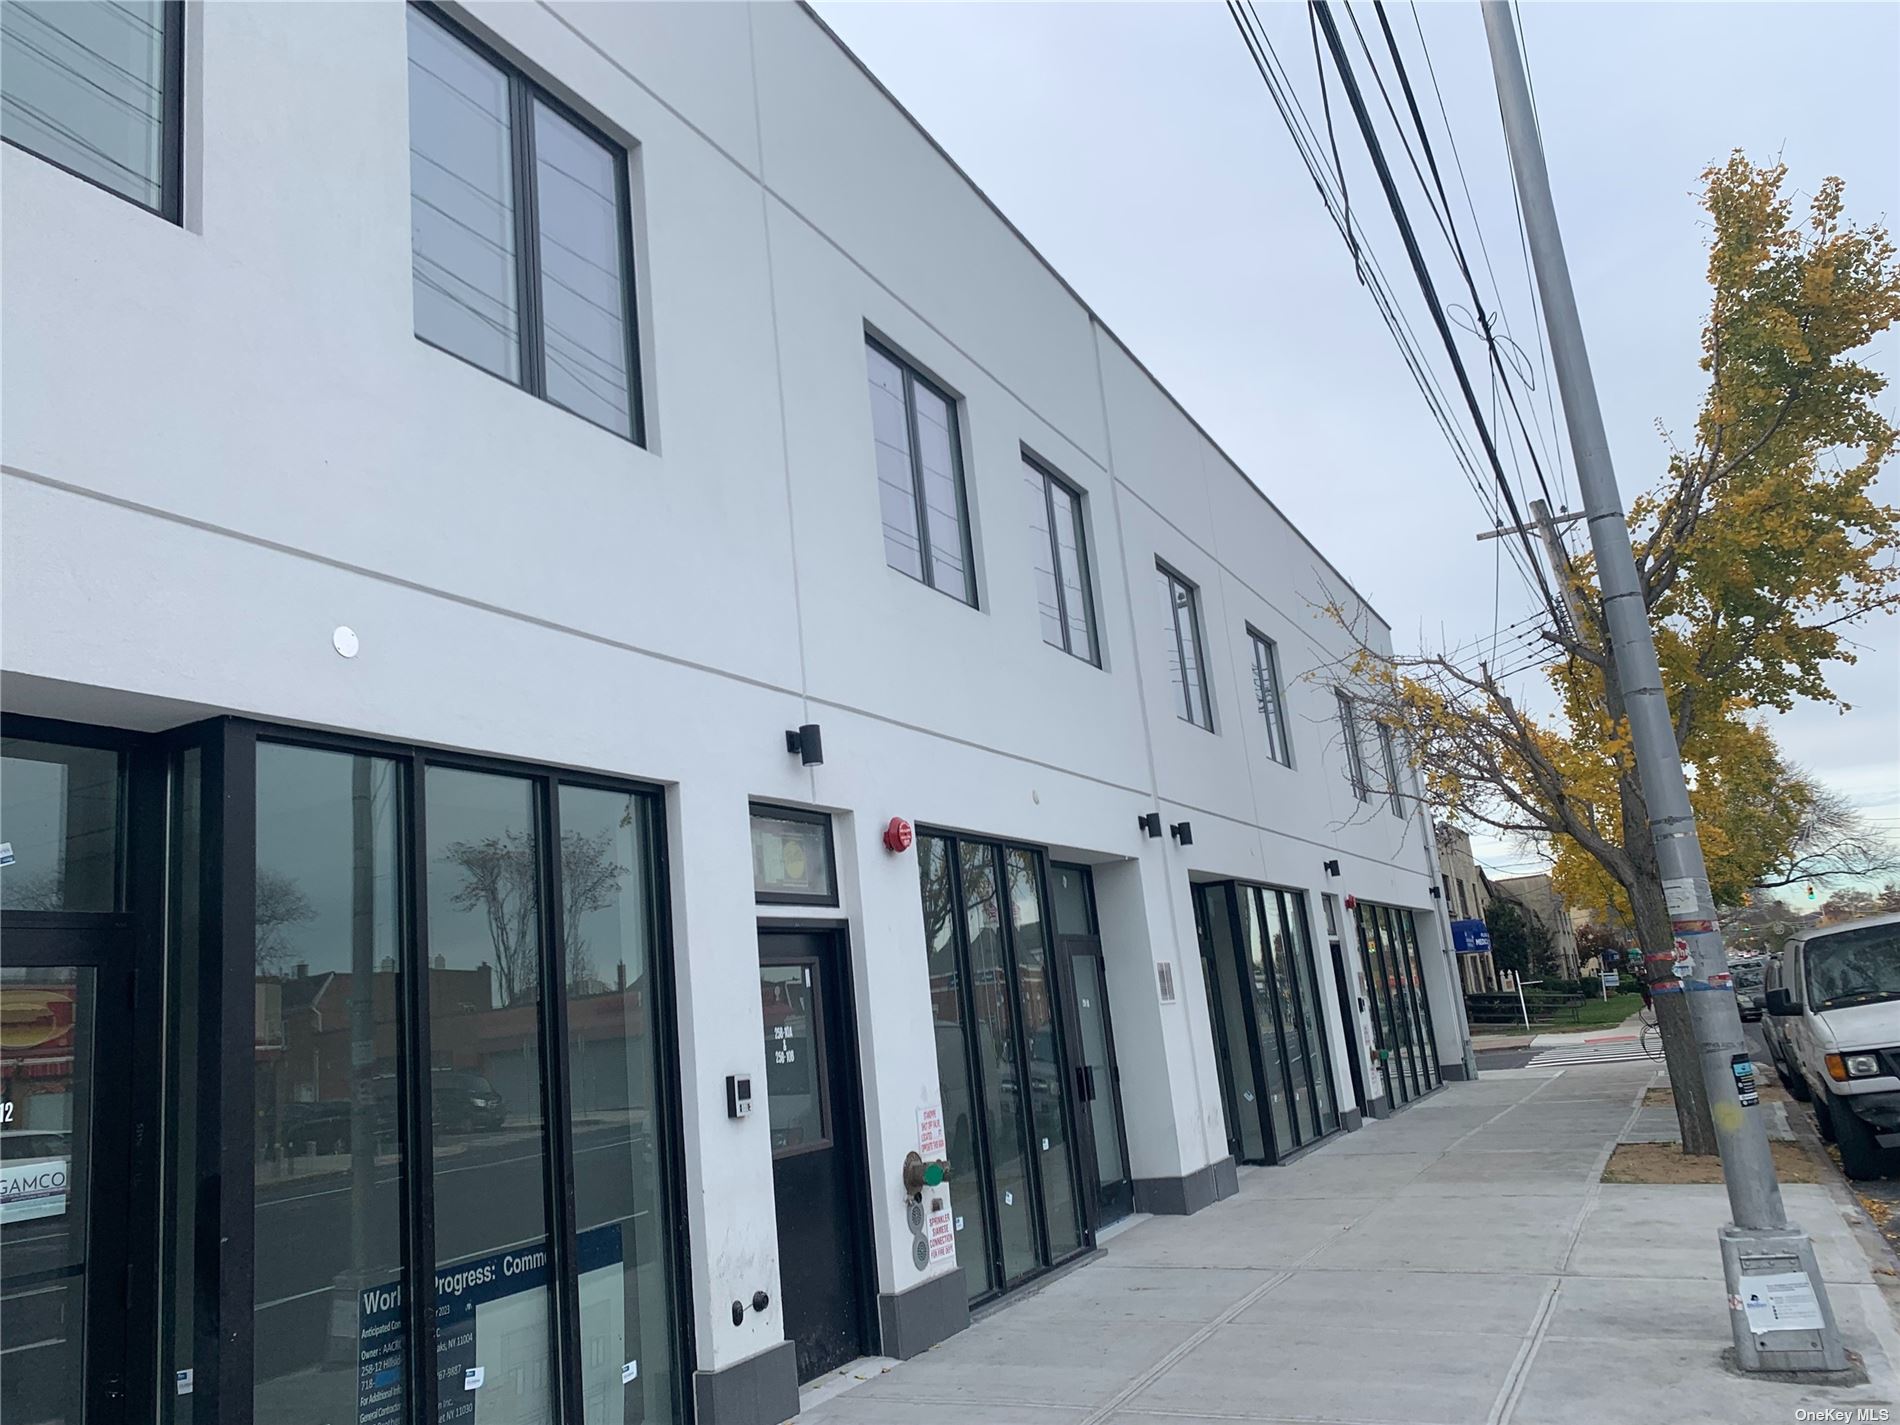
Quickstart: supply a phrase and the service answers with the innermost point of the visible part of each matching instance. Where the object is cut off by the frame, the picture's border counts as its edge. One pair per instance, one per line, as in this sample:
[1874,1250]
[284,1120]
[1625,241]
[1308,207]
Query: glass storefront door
[1003,1061]
[66,1085]
[1264,998]
[1401,1014]
[1096,1076]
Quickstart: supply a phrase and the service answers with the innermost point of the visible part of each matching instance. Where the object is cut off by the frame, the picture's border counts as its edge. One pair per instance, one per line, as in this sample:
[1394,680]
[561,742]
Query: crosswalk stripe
[1545,1061]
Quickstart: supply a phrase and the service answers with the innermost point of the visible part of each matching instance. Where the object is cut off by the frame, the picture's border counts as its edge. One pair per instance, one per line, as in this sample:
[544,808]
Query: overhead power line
[1309,146]
[1422,272]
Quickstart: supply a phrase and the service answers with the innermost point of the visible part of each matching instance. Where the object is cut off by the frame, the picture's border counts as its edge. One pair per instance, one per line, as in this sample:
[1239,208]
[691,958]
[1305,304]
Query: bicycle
[1652,1034]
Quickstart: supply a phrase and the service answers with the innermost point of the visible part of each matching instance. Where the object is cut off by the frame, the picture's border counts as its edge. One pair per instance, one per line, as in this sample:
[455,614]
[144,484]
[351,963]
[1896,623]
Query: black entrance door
[65,1131]
[1102,1145]
[818,1175]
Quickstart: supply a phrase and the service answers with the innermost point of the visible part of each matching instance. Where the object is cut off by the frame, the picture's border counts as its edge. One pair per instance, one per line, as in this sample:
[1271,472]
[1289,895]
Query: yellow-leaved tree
[1761,543]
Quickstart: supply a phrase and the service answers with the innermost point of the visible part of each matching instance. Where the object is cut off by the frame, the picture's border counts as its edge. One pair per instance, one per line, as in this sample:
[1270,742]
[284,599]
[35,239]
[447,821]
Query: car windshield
[1854,966]
[1748,974]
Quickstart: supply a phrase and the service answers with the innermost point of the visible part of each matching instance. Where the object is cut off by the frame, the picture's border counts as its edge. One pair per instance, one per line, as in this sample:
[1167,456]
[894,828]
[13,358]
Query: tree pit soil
[1667,1163]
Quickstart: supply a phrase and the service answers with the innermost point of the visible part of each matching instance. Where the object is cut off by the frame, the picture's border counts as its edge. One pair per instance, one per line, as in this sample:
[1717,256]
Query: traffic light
[1810,892]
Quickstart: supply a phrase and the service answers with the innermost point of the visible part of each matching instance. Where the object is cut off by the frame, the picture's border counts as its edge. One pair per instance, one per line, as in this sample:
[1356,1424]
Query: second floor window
[919,477]
[96,89]
[1395,793]
[520,230]
[1059,552]
[1355,755]
[1266,691]
[1183,646]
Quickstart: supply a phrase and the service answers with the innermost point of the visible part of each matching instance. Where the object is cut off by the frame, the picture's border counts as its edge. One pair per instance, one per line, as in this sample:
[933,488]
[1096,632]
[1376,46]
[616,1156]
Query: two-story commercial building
[639,758]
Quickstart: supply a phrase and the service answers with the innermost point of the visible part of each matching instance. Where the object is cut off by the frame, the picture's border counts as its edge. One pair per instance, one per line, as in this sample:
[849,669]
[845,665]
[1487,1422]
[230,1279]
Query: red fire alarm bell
[1351,902]
[898,835]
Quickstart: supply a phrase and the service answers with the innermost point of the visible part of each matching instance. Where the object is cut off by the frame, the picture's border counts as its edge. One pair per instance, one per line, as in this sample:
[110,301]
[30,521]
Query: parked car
[1838,998]
[461,1102]
[1748,976]
[1776,1036]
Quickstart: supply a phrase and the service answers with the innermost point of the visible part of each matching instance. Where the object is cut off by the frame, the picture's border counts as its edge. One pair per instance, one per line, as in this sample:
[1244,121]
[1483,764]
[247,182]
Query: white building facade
[596,652]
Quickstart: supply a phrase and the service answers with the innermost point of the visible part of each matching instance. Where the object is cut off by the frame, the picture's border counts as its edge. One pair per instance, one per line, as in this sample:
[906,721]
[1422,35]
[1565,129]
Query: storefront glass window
[328,1162]
[619,1118]
[491,1228]
[62,819]
[1047,1081]
[955,1086]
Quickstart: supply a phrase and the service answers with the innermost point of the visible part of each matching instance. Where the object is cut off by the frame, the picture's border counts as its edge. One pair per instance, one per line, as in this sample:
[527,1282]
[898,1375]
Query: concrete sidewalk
[1458,1262]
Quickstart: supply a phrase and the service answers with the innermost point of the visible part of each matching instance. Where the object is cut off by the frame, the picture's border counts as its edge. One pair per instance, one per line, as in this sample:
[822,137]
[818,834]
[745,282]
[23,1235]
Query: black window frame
[171,162]
[914,378]
[531,339]
[219,957]
[1279,744]
[1355,753]
[1177,580]
[1093,654]
[792,813]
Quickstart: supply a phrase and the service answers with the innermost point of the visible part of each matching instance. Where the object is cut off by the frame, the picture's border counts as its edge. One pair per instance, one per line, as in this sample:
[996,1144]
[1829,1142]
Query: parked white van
[1837,997]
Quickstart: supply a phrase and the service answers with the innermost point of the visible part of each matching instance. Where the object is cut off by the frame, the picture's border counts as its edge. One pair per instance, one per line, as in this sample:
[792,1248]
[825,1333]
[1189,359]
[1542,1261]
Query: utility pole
[1778,1308]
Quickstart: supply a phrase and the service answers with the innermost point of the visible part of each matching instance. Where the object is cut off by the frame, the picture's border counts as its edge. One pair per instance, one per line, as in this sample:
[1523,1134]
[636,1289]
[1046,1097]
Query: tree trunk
[1680,1051]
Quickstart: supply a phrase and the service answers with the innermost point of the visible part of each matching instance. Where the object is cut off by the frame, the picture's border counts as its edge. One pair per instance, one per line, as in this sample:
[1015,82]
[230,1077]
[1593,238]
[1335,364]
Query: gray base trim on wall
[911,1322]
[1454,1073]
[1350,1119]
[760,1390]
[1178,1197]
[1380,1108]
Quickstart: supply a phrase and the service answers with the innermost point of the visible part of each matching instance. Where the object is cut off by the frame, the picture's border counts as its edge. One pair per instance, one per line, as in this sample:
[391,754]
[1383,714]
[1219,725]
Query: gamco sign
[33,1188]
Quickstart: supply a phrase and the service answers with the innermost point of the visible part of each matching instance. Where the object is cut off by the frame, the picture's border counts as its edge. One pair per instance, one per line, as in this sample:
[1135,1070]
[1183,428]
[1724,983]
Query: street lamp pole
[1778,1307]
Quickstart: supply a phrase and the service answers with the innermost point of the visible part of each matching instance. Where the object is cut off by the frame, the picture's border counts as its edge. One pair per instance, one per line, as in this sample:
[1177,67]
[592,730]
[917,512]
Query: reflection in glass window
[328,936]
[1355,755]
[484,141]
[791,857]
[956,1085]
[583,289]
[920,476]
[1266,692]
[1182,625]
[485,948]
[1059,557]
[84,84]
[61,812]
[462,203]
[1048,1082]
[610,908]
[794,1087]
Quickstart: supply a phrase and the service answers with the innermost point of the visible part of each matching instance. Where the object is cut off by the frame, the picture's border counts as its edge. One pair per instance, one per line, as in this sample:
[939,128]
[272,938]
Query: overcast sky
[1136,146]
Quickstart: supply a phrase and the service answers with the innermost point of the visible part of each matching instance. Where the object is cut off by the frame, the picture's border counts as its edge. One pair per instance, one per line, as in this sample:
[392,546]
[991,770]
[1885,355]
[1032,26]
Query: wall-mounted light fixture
[1182,832]
[1150,822]
[1331,868]
[807,742]
[1437,893]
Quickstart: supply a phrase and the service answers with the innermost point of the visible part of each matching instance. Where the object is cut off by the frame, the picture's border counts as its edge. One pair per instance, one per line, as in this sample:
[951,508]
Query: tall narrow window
[329,964]
[519,221]
[1182,634]
[1355,756]
[1059,552]
[1395,794]
[95,88]
[1266,691]
[919,477]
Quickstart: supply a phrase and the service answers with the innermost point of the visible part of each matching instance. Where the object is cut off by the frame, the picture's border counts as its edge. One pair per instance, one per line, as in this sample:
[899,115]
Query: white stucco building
[446,453]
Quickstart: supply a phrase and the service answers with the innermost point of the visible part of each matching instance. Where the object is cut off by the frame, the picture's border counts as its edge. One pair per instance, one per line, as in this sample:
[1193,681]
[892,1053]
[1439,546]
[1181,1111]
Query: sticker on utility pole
[1783,1301]
[6,853]
[1684,963]
[629,1372]
[182,1381]
[1743,1067]
[1679,893]
[930,1141]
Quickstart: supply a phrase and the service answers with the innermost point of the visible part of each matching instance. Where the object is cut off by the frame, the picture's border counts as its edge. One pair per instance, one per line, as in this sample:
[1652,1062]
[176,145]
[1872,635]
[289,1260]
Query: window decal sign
[33,1188]
[481,1307]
